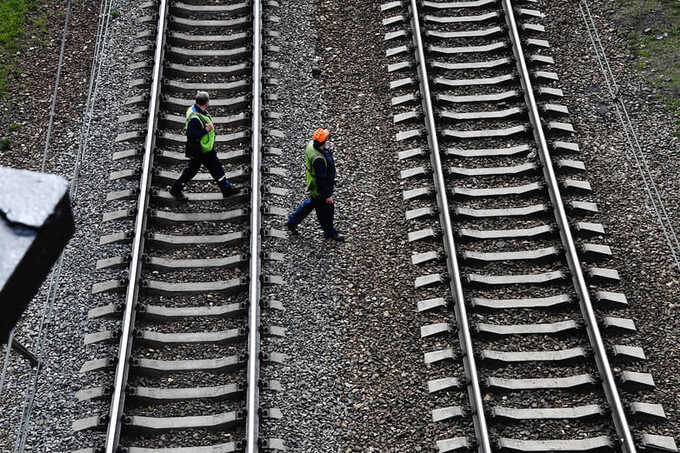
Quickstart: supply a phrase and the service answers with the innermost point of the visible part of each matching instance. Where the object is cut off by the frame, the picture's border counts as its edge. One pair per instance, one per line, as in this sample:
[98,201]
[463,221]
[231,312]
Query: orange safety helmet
[321,135]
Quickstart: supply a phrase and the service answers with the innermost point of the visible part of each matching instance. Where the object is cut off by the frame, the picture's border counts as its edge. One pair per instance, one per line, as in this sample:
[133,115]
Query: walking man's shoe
[337,237]
[292,228]
[176,191]
[228,191]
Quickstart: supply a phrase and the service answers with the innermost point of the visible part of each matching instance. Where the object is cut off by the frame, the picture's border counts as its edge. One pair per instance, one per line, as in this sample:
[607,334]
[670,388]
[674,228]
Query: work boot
[227,189]
[176,191]
[337,237]
[293,229]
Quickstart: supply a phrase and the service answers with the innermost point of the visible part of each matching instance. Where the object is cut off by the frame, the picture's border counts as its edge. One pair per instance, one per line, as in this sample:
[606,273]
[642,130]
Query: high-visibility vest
[208,140]
[311,155]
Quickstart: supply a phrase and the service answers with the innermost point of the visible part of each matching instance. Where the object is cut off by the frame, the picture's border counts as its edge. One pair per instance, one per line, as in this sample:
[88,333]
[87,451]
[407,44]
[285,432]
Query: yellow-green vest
[208,140]
[312,154]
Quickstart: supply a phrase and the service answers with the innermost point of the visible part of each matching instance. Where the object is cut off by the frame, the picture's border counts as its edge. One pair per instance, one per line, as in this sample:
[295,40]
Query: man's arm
[323,183]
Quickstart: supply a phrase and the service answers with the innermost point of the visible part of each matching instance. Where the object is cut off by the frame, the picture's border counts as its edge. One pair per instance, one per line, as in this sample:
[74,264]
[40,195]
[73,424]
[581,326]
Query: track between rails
[527,295]
[189,328]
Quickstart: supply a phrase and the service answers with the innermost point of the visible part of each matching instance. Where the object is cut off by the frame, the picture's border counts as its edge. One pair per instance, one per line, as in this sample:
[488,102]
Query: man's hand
[209,127]
[329,200]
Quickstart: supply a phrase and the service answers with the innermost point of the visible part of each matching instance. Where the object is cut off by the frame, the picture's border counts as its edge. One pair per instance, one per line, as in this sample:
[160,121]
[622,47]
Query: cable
[28,404]
[102,34]
[44,160]
[6,362]
[632,139]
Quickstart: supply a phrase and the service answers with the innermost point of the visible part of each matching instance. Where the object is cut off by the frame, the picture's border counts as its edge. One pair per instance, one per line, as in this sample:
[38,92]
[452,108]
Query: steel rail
[594,336]
[253,395]
[469,363]
[129,315]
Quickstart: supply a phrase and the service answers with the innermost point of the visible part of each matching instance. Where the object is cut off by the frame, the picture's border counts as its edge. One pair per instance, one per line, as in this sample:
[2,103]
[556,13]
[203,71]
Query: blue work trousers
[324,212]
[211,162]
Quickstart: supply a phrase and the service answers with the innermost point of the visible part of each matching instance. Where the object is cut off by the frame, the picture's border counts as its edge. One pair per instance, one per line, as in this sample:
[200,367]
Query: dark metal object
[35,225]
[25,353]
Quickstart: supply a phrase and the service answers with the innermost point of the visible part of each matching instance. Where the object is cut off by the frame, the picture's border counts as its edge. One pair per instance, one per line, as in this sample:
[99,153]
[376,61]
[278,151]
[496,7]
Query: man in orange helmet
[320,176]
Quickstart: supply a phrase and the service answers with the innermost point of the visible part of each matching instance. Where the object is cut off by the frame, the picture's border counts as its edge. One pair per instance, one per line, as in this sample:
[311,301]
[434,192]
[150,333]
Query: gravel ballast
[355,378]
[55,406]
[641,254]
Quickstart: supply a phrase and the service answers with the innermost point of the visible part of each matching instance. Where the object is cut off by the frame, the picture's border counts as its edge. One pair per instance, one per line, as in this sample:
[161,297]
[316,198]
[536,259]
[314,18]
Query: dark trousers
[324,212]
[211,162]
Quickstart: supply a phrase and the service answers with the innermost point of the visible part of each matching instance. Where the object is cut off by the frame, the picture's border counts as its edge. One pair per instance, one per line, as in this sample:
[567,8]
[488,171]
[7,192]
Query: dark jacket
[325,173]
[195,129]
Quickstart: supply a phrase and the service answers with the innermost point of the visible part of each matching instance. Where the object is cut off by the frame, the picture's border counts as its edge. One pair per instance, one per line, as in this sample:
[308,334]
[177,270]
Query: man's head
[202,99]
[320,137]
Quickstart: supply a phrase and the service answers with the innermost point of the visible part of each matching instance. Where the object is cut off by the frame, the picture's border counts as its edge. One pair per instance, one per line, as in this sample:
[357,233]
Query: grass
[18,19]
[12,27]
[5,143]
[14,127]
[673,106]
[653,36]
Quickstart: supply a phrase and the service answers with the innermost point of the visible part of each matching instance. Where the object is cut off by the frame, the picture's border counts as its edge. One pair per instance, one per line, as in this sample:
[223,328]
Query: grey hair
[202,97]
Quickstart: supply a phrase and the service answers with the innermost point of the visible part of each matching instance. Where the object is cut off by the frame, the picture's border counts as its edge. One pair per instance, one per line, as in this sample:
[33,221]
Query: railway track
[544,358]
[186,374]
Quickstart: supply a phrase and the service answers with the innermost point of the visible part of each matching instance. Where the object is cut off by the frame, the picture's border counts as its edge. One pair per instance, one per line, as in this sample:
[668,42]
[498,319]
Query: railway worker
[320,179]
[200,149]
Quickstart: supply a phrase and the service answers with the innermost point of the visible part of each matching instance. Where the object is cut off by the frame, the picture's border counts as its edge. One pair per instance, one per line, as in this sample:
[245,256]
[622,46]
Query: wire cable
[102,34]
[631,137]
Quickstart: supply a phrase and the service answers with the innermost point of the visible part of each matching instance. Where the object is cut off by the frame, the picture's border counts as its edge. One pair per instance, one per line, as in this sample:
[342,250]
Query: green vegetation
[40,22]
[19,20]
[14,127]
[654,37]
[12,22]
[5,143]
[115,13]
[673,106]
